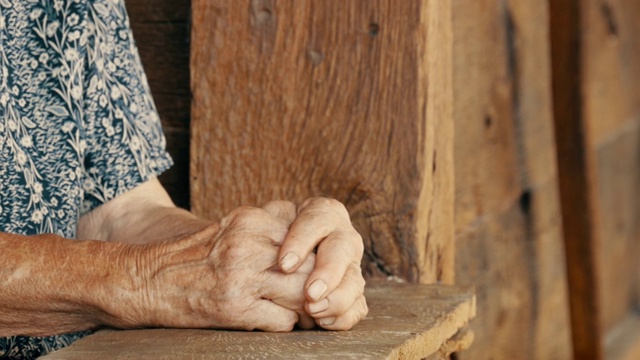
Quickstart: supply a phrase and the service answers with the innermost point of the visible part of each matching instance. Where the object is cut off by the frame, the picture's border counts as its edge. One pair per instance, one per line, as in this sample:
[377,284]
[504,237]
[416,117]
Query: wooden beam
[611,93]
[345,99]
[404,322]
[509,240]
[576,169]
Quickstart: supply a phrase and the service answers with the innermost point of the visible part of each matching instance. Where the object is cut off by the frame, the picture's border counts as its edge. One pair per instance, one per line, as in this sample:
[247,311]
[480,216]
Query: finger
[308,265]
[335,254]
[339,301]
[267,316]
[349,319]
[284,210]
[286,290]
[316,219]
[257,221]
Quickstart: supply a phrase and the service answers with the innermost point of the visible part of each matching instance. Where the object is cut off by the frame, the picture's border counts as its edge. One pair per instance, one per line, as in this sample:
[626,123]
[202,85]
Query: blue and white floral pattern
[78,125]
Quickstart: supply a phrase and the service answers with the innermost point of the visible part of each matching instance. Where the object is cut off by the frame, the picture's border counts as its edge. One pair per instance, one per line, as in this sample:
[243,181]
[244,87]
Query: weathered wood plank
[577,177]
[404,322]
[161,30]
[509,235]
[611,66]
[611,88]
[346,99]
[618,168]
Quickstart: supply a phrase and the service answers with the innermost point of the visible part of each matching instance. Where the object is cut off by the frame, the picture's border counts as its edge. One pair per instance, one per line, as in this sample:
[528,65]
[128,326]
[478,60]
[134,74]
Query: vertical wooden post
[509,235]
[576,176]
[347,99]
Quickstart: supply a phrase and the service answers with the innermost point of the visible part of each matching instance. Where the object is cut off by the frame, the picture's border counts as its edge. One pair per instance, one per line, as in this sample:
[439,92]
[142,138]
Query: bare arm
[52,285]
[161,266]
[142,215]
[205,275]
[335,288]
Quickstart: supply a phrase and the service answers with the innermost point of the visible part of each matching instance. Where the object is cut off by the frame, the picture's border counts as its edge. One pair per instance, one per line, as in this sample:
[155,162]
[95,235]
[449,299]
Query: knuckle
[250,213]
[322,202]
[340,209]
[357,281]
[358,244]
[364,308]
[233,248]
[286,324]
[286,327]
[334,204]
[248,216]
[308,202]
[362,283]
[350,249]
[232,216]
[341,306]
[344,324]
[279,204]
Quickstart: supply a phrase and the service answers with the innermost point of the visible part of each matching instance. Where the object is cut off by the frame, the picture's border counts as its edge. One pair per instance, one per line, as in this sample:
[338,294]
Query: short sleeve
[124,143]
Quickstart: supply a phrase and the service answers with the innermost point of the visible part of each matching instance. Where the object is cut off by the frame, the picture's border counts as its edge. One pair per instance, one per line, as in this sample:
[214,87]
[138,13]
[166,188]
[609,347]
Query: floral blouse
[78,125]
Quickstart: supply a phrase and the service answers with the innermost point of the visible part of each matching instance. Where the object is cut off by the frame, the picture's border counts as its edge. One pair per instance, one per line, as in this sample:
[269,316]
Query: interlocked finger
[284,210]
[347,320]
[267,316]
[340,300]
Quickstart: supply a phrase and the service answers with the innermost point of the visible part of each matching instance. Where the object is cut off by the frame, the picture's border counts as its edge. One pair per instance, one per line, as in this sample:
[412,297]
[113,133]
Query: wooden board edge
[432,341]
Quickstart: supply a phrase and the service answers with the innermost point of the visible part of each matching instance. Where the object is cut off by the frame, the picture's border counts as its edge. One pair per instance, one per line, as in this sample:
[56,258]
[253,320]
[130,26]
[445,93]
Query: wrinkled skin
[142,262]
[335,287]
[226,276]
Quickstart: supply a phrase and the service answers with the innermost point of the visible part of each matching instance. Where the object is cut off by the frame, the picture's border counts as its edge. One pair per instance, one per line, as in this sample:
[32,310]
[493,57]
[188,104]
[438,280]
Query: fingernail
[318,306]
[316,290]
[327,321]
[288,261]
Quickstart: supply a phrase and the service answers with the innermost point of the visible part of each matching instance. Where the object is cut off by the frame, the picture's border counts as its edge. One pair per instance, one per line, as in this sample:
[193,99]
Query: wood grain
[618,170]
[577,178]
[404,322]
[596,68]
[611,67]
[508,228]
[344,99]
[611,88]
[161,30]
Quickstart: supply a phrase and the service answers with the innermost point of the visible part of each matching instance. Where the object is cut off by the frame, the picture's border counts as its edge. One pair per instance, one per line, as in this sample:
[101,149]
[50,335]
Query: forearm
[143,215]
[156,223]
[52,285]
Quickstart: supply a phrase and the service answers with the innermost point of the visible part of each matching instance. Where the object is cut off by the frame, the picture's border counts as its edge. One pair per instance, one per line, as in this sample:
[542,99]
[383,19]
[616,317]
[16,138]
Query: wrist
[143,293]
[121,295]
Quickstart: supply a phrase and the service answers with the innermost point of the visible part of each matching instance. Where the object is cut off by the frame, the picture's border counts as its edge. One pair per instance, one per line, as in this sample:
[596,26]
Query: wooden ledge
[405,321]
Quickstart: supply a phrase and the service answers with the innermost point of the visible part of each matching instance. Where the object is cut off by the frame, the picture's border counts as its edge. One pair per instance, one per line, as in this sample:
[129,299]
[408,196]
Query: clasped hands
[266,268]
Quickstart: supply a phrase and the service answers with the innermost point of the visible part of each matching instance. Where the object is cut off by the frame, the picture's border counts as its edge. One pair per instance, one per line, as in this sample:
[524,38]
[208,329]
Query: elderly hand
[223,276]
[335,288]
